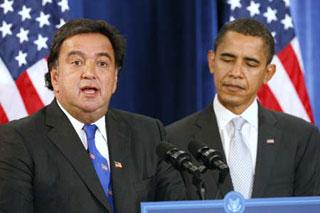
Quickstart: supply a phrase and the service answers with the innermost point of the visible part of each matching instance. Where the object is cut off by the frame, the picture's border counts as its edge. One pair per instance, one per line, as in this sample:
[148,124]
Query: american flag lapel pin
[270,141]
[118,164]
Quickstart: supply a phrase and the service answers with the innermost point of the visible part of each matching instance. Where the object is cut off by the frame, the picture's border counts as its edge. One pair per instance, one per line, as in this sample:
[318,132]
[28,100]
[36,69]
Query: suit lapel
[268,146]
[208,133]
[119,143]
[63,135]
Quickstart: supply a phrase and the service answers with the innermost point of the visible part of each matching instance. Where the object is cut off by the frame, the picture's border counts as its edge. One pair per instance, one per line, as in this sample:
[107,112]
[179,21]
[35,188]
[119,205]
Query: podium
[235,203]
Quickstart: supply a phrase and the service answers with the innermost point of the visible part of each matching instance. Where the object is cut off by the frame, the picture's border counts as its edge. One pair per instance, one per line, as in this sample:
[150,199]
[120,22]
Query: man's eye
[102,64]
[253,64]
[76,62]
[227,59]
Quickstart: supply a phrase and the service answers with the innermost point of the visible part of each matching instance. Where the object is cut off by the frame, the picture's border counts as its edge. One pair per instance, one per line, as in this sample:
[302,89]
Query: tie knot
[90,130]
[238,123]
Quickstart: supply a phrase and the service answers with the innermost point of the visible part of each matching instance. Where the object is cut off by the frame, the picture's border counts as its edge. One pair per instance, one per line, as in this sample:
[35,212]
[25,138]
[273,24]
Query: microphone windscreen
[195,146]
[163,148]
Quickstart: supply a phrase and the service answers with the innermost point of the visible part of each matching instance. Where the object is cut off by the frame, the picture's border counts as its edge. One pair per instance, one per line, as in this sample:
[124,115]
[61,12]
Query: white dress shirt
[249,129]
[100,136]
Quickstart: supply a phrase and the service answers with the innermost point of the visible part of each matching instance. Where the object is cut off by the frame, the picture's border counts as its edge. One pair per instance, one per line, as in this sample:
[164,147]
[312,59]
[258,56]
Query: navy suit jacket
[287,167]
[45,168]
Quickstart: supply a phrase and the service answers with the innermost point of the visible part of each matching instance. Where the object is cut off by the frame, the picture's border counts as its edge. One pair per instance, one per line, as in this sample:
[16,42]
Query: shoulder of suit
[189,119]
[27,127]
[136,123]
[186,121]
[130,116]
[289,121]
[28,122]
[182,130]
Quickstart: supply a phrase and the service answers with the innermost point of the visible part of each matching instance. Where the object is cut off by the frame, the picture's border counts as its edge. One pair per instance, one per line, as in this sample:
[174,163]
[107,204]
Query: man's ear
[54,74]
[211,57]
[270,71]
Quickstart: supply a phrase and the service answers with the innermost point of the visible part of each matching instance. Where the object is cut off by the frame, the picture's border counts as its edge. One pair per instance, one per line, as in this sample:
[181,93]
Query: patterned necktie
[240,162]
[99,162]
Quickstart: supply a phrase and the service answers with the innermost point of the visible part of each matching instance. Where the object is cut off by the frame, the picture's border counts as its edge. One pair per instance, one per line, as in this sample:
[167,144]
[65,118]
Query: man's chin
[231,100]
[93,107]
[228,97]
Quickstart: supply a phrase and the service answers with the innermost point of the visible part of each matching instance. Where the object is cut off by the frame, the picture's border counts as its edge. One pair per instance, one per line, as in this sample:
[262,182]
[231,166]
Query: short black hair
[249,27]
[81,26]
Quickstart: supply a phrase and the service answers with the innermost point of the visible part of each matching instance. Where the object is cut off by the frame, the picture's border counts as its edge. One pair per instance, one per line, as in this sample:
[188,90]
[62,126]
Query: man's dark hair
[248,27]
[81,26]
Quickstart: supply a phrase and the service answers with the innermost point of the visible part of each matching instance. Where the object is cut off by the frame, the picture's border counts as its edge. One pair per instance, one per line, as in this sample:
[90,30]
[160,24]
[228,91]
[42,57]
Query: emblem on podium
[234,202]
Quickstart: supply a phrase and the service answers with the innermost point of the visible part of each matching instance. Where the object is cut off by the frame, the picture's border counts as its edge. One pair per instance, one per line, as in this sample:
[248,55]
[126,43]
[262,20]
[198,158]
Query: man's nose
[237,69]
[89,70]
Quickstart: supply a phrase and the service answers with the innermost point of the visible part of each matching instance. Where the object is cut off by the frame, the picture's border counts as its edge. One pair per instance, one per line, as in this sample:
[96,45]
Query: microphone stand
[221,178]
[197,180]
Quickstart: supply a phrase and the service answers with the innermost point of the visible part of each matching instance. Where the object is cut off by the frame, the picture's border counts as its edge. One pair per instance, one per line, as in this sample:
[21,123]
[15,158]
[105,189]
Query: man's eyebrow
[75,52]
[250,59]
[227,55]
[79,53]
[104,54]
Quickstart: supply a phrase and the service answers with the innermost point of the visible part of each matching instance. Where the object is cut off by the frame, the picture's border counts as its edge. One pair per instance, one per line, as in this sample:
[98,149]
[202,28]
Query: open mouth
[89,90]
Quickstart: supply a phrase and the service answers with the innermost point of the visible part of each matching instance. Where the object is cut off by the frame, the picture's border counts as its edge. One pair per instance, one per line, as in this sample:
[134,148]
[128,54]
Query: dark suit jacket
[45,168]
[287,167]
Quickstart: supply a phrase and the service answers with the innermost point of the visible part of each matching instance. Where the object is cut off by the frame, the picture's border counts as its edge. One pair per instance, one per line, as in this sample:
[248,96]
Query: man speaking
[76,154]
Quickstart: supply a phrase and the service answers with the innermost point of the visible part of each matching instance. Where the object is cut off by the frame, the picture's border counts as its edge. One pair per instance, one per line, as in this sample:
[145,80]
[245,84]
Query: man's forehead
[236,36]
[233,40]
[87,43]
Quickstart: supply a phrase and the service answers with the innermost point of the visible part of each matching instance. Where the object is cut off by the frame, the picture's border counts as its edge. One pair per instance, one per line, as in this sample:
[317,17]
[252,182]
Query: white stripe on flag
[285,92]
[36,74]
[296,47]
[10,98]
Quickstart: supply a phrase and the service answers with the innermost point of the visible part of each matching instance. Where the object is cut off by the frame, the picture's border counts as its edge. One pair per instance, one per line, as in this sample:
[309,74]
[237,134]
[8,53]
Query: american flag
[26,30]
[286,91]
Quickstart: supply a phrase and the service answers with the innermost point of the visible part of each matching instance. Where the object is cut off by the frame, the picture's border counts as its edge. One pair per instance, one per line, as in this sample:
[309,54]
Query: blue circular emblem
[234,202]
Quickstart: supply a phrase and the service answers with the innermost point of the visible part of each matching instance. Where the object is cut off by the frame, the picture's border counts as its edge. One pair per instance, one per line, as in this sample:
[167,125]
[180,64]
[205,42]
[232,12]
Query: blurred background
[165,74]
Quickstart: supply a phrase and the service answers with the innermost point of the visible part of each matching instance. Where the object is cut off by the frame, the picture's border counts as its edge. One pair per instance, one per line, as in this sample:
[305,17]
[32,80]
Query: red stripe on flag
[28,93]
[267,98]
[290,62]
[3,117]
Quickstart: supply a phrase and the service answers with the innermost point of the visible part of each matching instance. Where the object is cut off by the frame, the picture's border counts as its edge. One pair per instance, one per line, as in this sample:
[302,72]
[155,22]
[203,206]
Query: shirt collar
[224,116]
[251,114]
[77,125]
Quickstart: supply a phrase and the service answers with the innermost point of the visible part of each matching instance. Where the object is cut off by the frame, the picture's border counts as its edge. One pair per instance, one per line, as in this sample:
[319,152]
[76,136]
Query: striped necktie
[99,162]
[240,162]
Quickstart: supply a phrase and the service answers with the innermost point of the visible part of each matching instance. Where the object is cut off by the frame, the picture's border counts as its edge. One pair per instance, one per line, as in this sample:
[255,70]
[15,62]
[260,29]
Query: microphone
[179,158]
[211,158]
[182,161]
